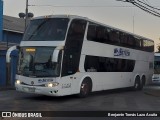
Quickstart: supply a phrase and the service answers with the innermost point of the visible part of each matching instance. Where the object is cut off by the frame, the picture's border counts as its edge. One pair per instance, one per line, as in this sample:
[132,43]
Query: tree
[158,47]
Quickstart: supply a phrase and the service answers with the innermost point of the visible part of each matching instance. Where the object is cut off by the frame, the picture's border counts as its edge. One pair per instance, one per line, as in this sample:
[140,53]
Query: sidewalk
[7,88]
[153,90]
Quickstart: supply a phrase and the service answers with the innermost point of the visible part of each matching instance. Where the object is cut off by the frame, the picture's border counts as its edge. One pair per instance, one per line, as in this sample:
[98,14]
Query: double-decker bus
[66,54]
[156,75]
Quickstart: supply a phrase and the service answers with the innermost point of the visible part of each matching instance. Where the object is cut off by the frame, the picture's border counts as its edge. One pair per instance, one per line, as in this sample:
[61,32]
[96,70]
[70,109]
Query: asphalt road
[113,100]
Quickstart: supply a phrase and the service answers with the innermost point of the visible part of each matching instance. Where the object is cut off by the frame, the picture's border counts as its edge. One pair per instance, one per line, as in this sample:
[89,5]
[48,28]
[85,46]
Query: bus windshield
[49,29]
[37,62]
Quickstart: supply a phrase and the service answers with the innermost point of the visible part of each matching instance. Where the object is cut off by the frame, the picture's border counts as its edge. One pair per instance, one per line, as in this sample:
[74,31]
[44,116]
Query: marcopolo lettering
[121,52]
[45,80]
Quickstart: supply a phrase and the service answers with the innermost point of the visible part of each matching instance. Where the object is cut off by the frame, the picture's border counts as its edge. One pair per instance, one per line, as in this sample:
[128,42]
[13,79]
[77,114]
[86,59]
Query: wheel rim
[84,88]
[136,85]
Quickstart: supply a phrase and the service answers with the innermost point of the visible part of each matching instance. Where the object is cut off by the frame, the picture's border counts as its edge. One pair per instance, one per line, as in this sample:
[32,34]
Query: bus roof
[61,16]
[85,18]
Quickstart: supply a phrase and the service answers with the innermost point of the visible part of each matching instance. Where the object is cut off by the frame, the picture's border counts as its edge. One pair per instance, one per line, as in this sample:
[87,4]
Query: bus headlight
[18,82]
[52,84]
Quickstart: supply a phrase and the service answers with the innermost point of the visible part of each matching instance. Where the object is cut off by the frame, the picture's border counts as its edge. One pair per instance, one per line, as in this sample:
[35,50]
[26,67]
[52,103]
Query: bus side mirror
[55,55]
[8,58]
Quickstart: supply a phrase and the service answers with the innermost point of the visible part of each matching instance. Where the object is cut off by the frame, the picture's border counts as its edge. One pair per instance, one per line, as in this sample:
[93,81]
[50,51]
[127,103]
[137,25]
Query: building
[13,29]
[11,32]
[1,19]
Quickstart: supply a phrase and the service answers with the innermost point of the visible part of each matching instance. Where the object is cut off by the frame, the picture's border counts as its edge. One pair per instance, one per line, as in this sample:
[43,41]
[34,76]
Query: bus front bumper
[49,91]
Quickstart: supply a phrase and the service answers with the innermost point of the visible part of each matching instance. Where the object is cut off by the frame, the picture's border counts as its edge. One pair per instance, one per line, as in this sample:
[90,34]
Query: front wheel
[85,88]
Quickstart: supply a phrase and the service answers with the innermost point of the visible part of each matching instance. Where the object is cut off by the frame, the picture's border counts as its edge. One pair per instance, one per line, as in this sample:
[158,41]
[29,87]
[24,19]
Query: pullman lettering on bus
[121,52]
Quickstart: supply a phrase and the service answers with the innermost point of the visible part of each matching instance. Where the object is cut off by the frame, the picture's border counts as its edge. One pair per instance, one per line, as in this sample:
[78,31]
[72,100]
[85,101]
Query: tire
[143,80]
[85,88]
[137,84]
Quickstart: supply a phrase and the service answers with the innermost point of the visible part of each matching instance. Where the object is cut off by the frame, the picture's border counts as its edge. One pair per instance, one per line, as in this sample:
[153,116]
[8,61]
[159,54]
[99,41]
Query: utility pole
[26,18]
[133,19]
[26,15]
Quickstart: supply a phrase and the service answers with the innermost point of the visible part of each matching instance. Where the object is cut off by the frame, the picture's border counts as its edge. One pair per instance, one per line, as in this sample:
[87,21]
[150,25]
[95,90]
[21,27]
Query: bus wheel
[142,82]
[85,88]
[137,84]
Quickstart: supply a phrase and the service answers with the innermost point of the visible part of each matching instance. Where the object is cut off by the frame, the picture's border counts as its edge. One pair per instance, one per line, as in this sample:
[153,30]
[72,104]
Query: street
[112,100]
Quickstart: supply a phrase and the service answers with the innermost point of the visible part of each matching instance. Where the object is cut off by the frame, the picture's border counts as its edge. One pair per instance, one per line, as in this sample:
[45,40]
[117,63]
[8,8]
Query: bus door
[72,51]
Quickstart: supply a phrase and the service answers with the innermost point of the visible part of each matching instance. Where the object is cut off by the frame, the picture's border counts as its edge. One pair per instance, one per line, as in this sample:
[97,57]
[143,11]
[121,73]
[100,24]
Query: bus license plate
[27,89]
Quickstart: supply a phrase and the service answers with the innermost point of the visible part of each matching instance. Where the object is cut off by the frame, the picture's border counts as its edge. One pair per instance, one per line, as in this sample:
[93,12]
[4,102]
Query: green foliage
[158,48]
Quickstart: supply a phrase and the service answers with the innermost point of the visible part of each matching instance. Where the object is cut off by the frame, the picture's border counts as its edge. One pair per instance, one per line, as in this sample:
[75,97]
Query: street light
[26,15]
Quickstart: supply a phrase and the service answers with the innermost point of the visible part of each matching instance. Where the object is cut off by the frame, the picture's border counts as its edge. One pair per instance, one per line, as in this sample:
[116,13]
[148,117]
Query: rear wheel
[85,88]
[137,84]
[142,82]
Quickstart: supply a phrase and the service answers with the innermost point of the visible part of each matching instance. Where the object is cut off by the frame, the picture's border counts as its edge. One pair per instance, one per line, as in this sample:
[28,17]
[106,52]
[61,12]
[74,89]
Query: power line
[148,5]
[74,6]
[147,10]
[120,6]
[144,6]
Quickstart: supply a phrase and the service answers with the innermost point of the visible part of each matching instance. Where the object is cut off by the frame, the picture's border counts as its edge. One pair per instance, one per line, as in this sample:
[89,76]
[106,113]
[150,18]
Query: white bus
[66,54]
[156,75]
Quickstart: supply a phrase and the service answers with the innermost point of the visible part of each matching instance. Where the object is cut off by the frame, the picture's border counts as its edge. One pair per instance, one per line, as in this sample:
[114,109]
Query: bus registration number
[27,89]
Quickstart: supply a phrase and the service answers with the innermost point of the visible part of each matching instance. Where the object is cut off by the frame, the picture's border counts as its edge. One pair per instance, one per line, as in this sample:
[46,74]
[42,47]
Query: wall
[1,19]
[12,37]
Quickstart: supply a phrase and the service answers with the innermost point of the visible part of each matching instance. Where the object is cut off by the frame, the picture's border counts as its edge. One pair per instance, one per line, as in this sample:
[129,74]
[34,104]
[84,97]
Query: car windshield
[156,67]
[48,29]
[37,62]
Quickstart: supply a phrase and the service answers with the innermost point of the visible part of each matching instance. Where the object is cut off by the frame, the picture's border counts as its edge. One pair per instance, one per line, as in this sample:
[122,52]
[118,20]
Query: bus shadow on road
[112,91]
[75,97]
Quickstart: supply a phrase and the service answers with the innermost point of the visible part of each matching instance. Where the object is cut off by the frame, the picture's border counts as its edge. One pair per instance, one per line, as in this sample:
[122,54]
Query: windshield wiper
[39,26]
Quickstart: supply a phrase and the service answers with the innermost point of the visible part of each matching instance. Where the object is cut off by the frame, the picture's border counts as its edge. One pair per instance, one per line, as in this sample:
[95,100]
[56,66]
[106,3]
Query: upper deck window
[50,29]
[108,35]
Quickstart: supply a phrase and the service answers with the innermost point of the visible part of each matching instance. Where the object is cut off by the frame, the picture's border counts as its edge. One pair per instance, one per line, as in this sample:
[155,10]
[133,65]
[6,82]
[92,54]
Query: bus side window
[137,43]
[100,34]
[150,46]
[106,35]
[91,34]
[91,64]
[114,37]
[145,45]
[131,42]
[123,39]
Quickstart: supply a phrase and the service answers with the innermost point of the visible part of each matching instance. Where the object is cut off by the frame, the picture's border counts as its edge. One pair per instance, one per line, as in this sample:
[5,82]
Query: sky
[118,14]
